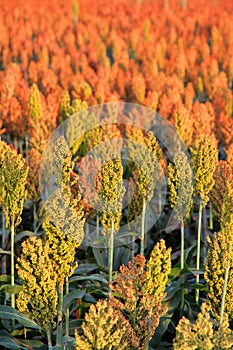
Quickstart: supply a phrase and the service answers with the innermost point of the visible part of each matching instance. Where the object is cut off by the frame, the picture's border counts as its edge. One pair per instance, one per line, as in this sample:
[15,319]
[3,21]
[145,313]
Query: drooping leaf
[6,252]
[94,278]
[9,313]
[9,343]
[69,298]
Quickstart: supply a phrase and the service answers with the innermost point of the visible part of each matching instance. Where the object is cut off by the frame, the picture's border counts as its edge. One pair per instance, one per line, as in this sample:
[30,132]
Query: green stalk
[67,310]
[110,262]
[3,243]
[149,325]
[21,146]
[35,217]
[49,339]
[97,225]
[198,249]
[182,263]
[26,144]
[59,318]
[143,227]
[133,250]
[160,202]
[225,286]
[182,245]
[12,229]
[12,261]
[211,226]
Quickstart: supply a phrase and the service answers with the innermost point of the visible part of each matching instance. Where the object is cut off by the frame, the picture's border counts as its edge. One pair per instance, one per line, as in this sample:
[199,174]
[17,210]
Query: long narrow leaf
[76,294]
[9,313]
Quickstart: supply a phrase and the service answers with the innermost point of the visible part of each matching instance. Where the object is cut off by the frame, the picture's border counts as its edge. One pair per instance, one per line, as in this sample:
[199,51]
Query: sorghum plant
[39,297]
[201,335]
[33,159]
[204,161]
[214,275]
[64,228]
[111,191]
[13,174]
[181,189]
[104,328]
[67,108]
[222,176]
[219,274]
[140,290]
[147,172]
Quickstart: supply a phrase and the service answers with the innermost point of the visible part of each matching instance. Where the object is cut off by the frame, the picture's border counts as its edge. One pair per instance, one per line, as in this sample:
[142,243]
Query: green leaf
[69,298]
[99,242]
[175,272]
[119,243]
[7,288]
[33,343]
[94,278]
[199,286]
[9,313]
[174,302]
[160,330]
[23,234]
[170,292]
[69,342]
[9,343]
[4,251]
[85,269]
[189,254]
[5,278]
[101,258]
[193,271]
[90,299]
[74,324]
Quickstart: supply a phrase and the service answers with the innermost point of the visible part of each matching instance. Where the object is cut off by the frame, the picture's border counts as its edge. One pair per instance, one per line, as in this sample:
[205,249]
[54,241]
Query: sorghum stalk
[49,339]
[203,236]
[59,317]
[225,289]
[182,262]
[111,243]
[12,261]
[133,250]
[160,201]
[21,146]
[3,243]
[15,143]
[35,218]
[97,225]
[26,144]
[198,248]
[149,324]
[211,217]
[12,229]
[143,227]
[67,310]
[182,245]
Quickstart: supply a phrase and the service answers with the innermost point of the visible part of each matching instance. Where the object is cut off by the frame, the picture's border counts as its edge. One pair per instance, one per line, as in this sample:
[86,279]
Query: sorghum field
[116,232]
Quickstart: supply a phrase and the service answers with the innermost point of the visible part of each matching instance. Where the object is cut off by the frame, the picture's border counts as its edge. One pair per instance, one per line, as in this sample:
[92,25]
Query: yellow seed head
[204,161]
[180,184]
[38,298]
